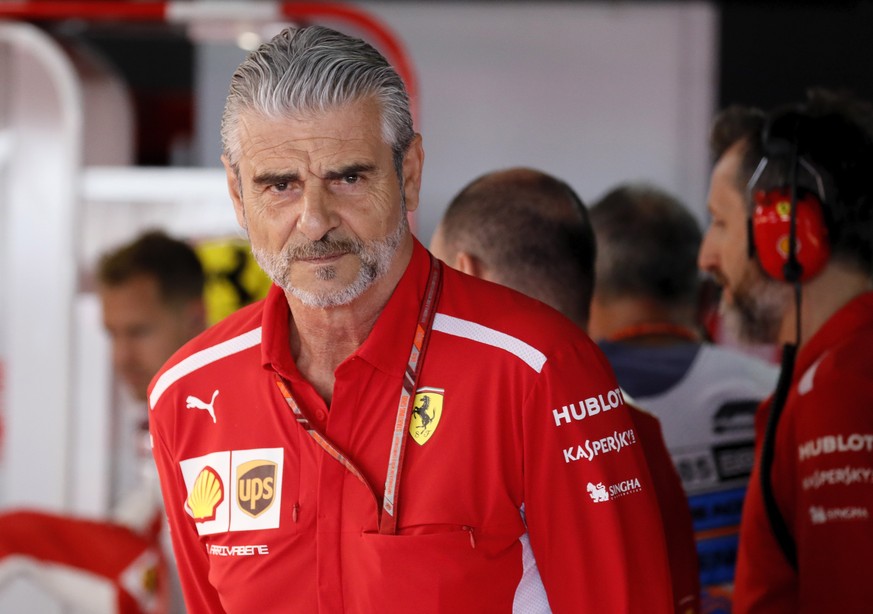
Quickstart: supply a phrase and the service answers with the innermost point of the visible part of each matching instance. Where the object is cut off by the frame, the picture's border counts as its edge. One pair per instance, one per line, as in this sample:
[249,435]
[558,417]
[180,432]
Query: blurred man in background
[151,293]
[791,243]
[530,231]
[645,315]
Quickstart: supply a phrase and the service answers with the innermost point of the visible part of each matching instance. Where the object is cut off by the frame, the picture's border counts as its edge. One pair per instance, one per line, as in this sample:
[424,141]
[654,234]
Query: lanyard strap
[388,518]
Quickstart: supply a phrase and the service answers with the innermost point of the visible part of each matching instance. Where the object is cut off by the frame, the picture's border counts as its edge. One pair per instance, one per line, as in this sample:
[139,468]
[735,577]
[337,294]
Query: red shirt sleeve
[190,554]
[832,511]
[590,505]
[823,484]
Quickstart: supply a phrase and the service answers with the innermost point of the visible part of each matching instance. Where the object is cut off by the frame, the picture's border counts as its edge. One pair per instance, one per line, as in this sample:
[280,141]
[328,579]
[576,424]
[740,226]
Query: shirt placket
[334,483]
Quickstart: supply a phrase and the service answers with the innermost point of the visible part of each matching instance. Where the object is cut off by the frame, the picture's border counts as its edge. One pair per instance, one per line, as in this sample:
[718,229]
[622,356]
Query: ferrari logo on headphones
[783,209]
[783,246]
[427,409]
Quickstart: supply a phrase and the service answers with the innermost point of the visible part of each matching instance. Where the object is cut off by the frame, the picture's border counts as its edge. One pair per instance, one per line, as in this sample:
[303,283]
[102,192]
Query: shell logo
[205,496]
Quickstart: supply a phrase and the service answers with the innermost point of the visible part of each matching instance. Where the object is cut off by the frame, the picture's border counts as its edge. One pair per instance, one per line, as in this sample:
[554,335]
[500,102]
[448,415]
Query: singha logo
[598,493]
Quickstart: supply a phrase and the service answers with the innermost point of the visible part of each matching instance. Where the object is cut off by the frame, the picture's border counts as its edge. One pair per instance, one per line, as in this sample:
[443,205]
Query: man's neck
[821,298]
[615,317]
[322,338]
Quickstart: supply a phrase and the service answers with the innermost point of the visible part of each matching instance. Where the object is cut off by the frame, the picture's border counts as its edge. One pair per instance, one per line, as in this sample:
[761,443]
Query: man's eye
[351,179]
[280,187]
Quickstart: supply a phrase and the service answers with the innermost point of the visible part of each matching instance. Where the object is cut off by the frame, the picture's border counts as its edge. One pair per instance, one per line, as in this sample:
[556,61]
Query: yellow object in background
[233,278]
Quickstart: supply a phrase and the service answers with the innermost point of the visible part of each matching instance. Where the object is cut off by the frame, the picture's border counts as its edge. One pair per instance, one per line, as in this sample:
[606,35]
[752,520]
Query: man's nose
[318,216]
[707,257]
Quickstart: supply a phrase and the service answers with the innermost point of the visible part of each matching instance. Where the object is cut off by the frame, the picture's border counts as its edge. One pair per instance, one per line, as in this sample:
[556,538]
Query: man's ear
[413,162]
[469,264]
[234,188]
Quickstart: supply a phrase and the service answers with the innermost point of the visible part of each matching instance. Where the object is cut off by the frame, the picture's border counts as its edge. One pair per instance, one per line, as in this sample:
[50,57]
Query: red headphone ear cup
[771,230]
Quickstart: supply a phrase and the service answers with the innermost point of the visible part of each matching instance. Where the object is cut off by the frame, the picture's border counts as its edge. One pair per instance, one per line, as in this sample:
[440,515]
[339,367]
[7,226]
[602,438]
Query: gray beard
[759,306]
[375,258]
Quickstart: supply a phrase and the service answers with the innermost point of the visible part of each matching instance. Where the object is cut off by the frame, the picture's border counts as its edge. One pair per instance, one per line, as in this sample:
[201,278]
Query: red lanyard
[388,518]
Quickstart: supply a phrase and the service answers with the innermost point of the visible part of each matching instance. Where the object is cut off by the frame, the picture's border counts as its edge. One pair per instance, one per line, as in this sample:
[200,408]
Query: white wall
[593,93]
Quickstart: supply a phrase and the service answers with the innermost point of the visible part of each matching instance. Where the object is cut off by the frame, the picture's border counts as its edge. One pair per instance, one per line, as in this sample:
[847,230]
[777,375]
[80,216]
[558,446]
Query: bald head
[526,230]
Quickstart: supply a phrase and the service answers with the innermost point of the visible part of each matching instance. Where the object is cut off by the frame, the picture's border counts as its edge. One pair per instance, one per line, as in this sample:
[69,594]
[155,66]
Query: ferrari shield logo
[427,409]
[783,208]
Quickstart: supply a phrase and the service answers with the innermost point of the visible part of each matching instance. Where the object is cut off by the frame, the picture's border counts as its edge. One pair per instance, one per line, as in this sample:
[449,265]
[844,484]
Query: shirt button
[321,415]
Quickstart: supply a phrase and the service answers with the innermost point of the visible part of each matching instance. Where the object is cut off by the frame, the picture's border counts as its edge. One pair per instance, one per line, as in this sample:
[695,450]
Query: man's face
[321,201]
[144,331]
[753,302]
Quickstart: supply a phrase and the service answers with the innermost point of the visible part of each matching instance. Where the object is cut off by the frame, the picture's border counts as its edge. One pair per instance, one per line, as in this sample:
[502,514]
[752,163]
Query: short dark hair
[648,243]
[734,124]
[833,132]
[172,262]
[531,229]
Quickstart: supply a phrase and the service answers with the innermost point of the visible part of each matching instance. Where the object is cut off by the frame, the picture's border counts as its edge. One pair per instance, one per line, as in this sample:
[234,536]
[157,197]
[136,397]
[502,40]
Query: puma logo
[193,402]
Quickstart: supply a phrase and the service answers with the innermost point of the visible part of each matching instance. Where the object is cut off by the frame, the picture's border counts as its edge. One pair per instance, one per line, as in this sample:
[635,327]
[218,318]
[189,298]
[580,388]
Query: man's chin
[324,294]
[756,316]
[744,329]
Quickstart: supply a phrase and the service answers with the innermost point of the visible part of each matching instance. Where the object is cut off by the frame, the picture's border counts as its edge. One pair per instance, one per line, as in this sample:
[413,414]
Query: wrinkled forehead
[367,110]
[317,143]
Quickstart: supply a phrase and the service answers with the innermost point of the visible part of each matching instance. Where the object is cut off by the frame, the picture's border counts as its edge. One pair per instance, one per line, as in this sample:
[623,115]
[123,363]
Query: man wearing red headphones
[791,242]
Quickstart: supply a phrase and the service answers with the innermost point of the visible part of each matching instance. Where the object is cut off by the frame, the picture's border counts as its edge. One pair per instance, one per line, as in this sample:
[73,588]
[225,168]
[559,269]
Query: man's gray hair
[316,69]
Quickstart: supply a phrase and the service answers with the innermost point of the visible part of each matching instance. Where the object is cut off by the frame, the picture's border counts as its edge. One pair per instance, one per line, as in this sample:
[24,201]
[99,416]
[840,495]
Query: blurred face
[752,302]
[144,331]
[321,201]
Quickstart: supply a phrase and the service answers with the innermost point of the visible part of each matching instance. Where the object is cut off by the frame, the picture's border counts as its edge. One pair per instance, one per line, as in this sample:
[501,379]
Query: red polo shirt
[523,484]
[822,480]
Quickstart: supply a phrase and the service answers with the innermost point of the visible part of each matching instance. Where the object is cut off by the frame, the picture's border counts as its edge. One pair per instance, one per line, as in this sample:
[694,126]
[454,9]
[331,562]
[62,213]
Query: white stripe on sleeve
[201,359]
[482,334]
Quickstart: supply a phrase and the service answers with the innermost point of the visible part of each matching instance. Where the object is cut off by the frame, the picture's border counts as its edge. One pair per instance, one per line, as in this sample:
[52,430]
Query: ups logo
[256,485]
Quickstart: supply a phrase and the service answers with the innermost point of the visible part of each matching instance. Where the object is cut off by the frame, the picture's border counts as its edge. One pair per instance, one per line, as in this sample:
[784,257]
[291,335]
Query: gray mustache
[324,248]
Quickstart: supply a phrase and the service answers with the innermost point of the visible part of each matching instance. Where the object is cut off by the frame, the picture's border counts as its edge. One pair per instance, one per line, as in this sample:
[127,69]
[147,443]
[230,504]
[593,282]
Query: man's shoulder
[240,322]
[469,304]
[841,369]
[237,332]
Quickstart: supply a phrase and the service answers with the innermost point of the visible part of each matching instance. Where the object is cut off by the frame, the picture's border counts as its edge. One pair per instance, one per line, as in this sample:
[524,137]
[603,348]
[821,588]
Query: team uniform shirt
[822,480]
[705,397]
[523,487]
